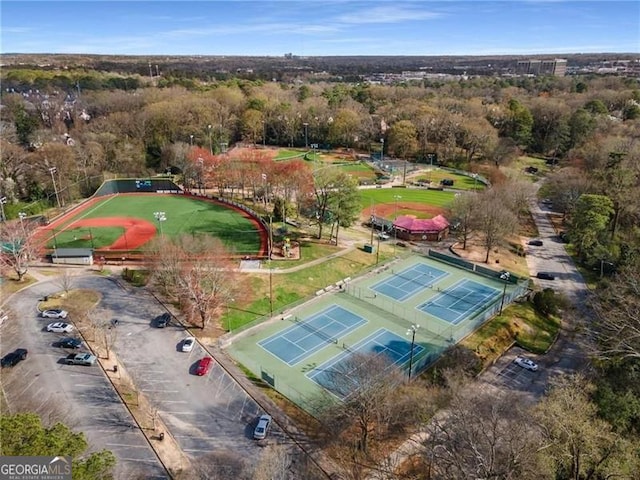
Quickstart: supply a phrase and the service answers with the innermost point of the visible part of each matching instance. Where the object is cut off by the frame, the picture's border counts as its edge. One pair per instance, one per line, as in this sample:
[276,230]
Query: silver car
[55,313]
[526,363]
[59,327]
[261,430]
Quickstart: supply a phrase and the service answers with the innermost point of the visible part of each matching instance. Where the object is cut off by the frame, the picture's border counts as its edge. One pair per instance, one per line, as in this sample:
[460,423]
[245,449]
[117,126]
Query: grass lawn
[82,237]
[388,195]
[284,154]
[184,215]
[292,287]
[361,171]
[461,182]
[518,323]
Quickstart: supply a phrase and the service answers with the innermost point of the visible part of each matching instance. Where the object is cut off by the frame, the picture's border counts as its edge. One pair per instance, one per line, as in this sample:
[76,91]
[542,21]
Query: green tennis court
[372,314]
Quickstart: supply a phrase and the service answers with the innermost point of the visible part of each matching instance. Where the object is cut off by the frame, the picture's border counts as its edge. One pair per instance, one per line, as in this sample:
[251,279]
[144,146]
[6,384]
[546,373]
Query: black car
[163,320]
[537,243]
[69,342]
[546,276]
[13,358]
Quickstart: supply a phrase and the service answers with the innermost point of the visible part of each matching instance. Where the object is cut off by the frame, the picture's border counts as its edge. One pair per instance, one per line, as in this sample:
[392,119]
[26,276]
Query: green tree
[577,443]
[596,107]
[24,434]
[581,125]
[344,204]
[403,139]
[332,189]
[518,124]
[589,224]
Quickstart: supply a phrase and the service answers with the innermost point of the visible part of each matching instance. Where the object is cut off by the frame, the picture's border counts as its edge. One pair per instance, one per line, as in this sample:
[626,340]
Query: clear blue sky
[320,27]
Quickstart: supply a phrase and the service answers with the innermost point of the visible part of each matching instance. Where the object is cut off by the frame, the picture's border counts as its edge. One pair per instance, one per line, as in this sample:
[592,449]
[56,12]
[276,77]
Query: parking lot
[81,397]
[205,414]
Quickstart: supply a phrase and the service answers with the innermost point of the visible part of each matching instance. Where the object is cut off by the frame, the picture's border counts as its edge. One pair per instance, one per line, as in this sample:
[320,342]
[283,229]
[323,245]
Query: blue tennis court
[408,282]
[460,301]
[331,375]
[312,334]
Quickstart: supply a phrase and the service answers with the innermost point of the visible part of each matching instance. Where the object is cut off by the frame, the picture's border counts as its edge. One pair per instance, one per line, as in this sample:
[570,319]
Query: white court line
[196,450]
[139,460]
[172,401]
[181,413]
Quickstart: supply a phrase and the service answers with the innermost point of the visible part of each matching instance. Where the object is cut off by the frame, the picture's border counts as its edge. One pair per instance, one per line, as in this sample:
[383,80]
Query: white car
[264,422]
[187,344]
[60,327]
[55,313]
[383,236]
[526,363]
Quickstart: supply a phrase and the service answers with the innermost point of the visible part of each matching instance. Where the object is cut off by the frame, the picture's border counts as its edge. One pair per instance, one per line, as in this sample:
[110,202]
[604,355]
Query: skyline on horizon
[321,28]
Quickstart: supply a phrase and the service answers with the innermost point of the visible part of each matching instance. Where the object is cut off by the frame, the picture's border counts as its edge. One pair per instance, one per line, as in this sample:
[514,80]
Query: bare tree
[65,280]
[577,443]
[464,216]
[617,307]
[481,436]
[17,247]
[275,462]
[495,219]
[197,272]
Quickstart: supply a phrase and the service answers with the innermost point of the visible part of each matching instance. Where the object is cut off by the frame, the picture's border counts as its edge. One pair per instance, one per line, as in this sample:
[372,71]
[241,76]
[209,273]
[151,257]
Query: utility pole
[53,170]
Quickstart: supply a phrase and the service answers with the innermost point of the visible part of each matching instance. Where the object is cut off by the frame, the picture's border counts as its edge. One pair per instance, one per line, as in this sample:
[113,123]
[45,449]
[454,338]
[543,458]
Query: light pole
[53,170]
[209,128]
[22,216]
[191,140]
[3,200]
[264,134]
[201,166]
[475,180]
[382,150]
[412,331]
[160,217]
[395,230]
[505,277]
[306,142]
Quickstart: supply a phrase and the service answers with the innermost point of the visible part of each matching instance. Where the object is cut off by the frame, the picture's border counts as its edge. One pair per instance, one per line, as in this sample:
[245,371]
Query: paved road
[81,397]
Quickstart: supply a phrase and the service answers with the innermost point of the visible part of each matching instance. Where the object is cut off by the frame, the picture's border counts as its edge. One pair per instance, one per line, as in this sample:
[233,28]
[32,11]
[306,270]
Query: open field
[126,222]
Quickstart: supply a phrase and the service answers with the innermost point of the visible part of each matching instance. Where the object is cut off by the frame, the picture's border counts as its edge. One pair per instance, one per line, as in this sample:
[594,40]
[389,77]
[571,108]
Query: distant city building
[557,67]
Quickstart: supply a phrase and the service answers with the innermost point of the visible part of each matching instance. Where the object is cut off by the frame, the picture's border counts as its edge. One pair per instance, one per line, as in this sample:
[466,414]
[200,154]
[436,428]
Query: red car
[204,365]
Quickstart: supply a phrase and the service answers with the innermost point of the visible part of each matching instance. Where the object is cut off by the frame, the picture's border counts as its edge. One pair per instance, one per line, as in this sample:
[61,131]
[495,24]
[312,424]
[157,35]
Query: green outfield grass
[284,154]
[184,215]
[461,182]
[359,170]
[388,195]
[83,237]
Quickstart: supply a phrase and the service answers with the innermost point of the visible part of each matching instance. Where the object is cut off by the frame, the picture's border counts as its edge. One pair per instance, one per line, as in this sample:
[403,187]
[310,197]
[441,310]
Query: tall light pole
[53,170]
[306,142]
[475,180]
[264,134]
[3,200]
[382,150]
[201,166]
[191,140]
[160,217]
[412,331]
[395,230]
[209,128]
[22,216]
[504,276]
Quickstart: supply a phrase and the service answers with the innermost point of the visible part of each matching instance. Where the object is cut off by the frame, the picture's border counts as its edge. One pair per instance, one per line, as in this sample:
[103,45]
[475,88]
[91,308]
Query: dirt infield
[137,232]
[388,210]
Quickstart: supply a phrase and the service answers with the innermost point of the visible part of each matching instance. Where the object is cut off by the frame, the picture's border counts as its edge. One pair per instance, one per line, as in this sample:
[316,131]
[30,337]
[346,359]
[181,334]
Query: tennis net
[422,279]
[307,326]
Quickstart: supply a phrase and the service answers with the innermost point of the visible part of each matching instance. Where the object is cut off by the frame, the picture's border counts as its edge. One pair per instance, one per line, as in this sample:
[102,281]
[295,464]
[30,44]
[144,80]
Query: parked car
[187,344]
[59,327]
[55,313]
[537,243]
[69,342]
[526,363]
[13,358]
[163,320]
[204,365]
[383,236]
[546,276]
[262,428]
[80,359]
